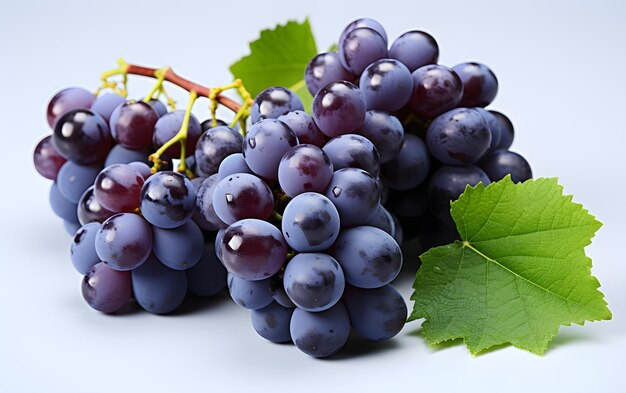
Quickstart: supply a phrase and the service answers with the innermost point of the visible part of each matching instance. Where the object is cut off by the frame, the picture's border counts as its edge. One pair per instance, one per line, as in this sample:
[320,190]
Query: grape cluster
[426,120]
[134,231]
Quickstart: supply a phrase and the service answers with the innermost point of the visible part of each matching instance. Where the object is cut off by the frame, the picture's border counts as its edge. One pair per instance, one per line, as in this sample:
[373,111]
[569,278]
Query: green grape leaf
[278,58]
[518,274]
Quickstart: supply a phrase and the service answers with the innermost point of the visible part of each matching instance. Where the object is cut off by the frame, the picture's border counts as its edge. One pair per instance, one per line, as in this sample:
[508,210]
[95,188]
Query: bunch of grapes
[426,120]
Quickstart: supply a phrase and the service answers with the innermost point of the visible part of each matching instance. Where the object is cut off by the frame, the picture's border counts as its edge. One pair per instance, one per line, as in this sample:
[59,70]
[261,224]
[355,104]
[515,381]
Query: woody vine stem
[242,111]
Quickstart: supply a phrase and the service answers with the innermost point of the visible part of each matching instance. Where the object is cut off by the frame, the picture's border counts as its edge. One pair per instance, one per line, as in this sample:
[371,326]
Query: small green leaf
[278,58]
[519,273]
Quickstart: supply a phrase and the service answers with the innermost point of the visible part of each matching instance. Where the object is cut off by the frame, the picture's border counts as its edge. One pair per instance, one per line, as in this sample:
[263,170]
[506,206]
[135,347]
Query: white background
[562,82]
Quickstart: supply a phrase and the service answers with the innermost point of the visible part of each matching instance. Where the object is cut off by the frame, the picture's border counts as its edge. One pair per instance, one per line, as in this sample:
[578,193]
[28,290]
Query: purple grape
[304,168]
[208,276]
[253,249]
[178,248]
[383,220]
[310,222]
[105,104]
[250,294]
[82,136]
[265,144]
[74,179]
[458,137]
[157,288]
[506,130]
[410,167]
[233,164]
[360,48]
[66,100]
[132,124]
[48,161]
[83,249]
[320,334]
[122,155]
[314,281]
[339,108]
[158,106]
[168,199]
[273,102]
[272,322]
[168,126]
[355,194]
[365,22]
[90,210]
[242,196]
[494,127]
[124,241]
[117,188]
[323,69]
[105,289]
[281,297]
[480,84]
[386,85]
[204,214]
[500,163]
[384,189]
[369,257]
[61,206]
[385,132]
[353,151]
[376,314]
[303,125]
[449,182]
[142,168]
[208,124]
[213,146]
[436,89]
[415,49]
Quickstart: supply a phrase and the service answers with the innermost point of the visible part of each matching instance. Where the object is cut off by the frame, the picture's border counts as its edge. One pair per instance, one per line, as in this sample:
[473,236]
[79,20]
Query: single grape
[168,199]
[273,102]
[303,125]
[250,294]
[280,296]
[314,281]
[253,249]
[178,248]
[506,130]
[158,106]
[339,108]
[360,48]
[386,85]
[242,196]
[415,49]
[364,22]
[66,100]
[48,161]
[132,124]
[124,241]
[82,136]
[449,182]
[208,276]
[157,288]
[500,163]
[494,127]
[122,155]
[410,167]
[106,104]
[353,151]
[168,126]
[90,210]
[204,214]
[83,249]
[208,124]
[355,194]
[458,137]
[369,257]
[382,220]
[272,322]
[74,179]
[385,132]
[117,188]
[233,164]
[71,227]
[265,144]
[213,146]
[480,84]
[376,314]
[61,206]
[304,168]
[310,222]
[436,89]
[323,69]
[320,334]
[105,289]
[141,167]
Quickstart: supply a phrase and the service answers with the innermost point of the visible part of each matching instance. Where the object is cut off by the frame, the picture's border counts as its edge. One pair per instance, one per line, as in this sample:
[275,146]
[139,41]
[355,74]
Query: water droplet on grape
[252,143]
[230,198]
[336,191]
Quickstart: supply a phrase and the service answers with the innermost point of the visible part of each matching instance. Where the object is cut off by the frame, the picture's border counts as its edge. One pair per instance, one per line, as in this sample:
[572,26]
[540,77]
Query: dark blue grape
[66,100]
[83,249]
[121,155]
[415,49]
[386,85]
[250,294]
[314,281]
[208,276]
[204,214]
[494,127]
[480,84]
[304,168]
[213,146]
[353,151]
[71,227]
[280,296]
[242,196]
[158,106]
[208,124]
[360,48]
[320,334]
[310,222]
[303,125]
[124,241]
[369,257]
[339,108]
[323,69]
[273,102]
[385,132]
[272,322]
[376,314]
[449,182]
[61,206]
[410,167]
[233,164]
[168,199]
[178,248]
[500,163]
[157,288]
[265,144]
[168,126]
[506,130]
[74,179]
[364,22]
[382,220]
[82,136]
[355,194]
[105,289]
[106,104]
[436,89]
